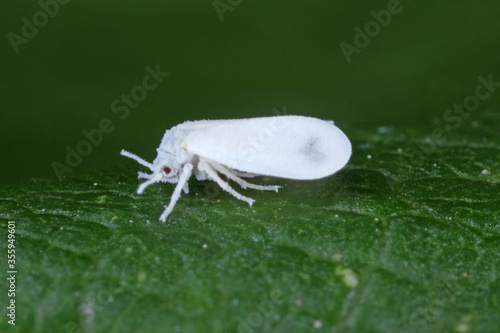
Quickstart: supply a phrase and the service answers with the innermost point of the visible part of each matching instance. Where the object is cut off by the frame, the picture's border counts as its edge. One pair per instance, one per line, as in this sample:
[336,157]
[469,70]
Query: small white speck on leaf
[463,325]
[348,276]
[141,277]
[337,257]
[87,309]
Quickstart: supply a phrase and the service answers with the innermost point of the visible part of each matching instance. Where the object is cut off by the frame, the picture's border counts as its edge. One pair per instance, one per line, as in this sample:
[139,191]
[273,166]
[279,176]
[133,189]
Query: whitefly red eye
[167,170]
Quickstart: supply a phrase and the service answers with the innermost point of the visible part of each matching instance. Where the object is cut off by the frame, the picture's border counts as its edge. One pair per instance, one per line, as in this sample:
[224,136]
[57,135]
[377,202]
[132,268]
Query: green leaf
[405,239]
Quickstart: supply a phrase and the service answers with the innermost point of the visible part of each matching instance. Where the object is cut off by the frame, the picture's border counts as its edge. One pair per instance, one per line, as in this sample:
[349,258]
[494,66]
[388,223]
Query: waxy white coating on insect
[293,147]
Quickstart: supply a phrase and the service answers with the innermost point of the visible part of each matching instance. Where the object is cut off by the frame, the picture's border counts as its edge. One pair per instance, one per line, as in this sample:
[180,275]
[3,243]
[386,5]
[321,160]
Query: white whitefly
[293,147]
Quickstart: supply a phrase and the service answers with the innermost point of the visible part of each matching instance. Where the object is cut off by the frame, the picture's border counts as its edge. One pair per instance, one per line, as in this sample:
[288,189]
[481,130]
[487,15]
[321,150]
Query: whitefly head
[163,169]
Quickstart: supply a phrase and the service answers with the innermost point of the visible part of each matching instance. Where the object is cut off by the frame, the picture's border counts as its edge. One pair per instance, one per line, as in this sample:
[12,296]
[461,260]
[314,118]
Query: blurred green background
[262,55]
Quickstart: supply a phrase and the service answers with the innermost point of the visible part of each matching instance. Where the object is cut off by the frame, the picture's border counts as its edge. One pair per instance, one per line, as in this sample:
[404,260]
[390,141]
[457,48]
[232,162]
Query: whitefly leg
[225,186]
[183,179]
[151,180]
[243,183]
[243,174]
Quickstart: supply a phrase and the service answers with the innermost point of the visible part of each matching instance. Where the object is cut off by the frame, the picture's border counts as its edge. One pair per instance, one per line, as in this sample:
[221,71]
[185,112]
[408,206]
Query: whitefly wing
[293,147]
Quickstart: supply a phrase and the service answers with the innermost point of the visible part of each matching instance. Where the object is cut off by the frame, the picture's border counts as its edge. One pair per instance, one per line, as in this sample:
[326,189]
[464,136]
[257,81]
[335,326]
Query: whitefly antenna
[136,158]
[151,178]
[144,175]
